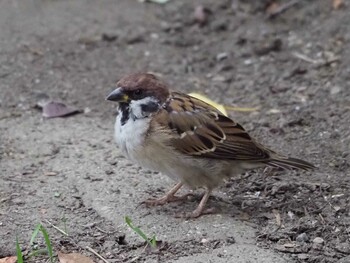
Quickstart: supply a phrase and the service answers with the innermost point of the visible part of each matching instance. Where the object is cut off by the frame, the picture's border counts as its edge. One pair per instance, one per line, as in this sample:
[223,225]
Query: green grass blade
[19,252]
[136,229]
[48,242]
[140,232]
[154,241]
[35,234]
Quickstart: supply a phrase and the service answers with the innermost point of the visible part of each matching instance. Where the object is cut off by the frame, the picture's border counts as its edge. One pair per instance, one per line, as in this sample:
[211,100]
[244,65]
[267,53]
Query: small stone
[335,90]
[109,37]
[109,172]
[303,256]
[318,240]
[230,240]
[219,78]
[221,56]
[291,215]
[248,62]
[302,238]
[204,241]
[134,38]
[220,25]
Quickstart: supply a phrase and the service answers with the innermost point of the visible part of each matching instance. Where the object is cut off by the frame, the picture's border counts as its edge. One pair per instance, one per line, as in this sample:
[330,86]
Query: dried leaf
[12,259]
[55,109]
[73,258]
[337,4]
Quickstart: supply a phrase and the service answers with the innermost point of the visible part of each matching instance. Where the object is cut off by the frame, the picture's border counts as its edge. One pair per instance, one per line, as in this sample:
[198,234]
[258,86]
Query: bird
[186,139]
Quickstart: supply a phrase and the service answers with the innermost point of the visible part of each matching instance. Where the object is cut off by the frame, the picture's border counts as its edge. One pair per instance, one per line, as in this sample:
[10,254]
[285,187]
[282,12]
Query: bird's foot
[196,213]
[200,210]
[166,199]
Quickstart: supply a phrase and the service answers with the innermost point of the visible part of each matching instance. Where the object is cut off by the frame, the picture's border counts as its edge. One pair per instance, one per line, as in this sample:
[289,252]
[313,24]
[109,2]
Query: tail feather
[290,163]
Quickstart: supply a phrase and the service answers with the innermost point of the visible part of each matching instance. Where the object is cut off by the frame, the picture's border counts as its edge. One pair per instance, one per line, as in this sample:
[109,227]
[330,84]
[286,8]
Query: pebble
[220,25]
[204,241]
[335,90]
[302,238]
[303,256]
[318,240]
[221,56]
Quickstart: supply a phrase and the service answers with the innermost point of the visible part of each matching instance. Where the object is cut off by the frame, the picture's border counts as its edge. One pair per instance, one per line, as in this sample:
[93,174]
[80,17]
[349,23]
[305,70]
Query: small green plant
[151,241]
[19,252]
[40,228]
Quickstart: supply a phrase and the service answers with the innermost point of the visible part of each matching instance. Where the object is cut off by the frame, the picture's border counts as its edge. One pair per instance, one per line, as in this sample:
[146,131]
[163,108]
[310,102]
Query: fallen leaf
[54,109]
[73,258]
[12,259]
[337,4]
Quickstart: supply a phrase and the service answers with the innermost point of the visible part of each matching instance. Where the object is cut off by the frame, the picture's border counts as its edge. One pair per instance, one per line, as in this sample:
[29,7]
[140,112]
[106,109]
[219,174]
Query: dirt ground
[68,172]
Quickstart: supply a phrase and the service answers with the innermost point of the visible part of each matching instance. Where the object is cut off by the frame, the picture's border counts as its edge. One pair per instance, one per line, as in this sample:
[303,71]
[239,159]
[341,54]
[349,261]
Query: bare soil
[68,172]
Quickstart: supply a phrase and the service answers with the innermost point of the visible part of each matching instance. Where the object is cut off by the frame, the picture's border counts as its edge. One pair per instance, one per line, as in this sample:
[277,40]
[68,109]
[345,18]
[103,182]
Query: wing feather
[201,130]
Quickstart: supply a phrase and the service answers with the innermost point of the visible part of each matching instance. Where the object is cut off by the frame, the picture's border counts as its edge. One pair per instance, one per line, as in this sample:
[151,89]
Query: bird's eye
[138,92]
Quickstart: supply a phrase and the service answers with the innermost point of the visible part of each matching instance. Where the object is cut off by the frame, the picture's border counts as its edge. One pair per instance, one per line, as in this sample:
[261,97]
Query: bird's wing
[198,129]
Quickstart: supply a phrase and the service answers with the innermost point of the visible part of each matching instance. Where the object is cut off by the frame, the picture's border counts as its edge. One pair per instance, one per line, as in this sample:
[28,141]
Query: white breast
[130,137]
[147,151]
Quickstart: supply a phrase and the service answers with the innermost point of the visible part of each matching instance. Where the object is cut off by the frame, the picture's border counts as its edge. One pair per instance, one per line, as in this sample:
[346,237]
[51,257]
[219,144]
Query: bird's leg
[168,197]
[200,210]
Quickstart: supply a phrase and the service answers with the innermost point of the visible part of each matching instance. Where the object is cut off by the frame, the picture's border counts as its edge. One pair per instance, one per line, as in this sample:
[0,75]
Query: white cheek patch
[144,107]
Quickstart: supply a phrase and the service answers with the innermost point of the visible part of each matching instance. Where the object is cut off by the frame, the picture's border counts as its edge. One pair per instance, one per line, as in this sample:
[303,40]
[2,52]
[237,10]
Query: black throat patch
[150,107]
[124,111]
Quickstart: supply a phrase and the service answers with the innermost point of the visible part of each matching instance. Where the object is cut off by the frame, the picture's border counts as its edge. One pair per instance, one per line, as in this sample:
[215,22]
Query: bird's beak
[118,95]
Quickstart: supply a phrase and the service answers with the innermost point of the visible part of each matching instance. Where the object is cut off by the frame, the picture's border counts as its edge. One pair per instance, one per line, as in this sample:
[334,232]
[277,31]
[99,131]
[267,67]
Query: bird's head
[137,87]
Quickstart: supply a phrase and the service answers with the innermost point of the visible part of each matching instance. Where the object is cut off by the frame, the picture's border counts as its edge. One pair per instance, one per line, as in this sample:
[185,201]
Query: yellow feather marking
[222,108]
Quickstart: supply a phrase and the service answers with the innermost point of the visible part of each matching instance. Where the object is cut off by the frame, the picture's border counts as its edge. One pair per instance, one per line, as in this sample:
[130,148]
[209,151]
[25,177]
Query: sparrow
[185,138]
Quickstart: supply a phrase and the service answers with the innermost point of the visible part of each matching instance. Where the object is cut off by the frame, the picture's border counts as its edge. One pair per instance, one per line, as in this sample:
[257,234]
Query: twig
[278,217]
[57,228]
[281,9]
[101,230]
[317,63]
[305,58]
[322,219]
[105,232]
[96,254]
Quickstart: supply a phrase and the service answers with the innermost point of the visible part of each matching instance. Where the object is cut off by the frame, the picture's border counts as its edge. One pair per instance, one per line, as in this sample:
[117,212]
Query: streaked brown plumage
[185,138]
